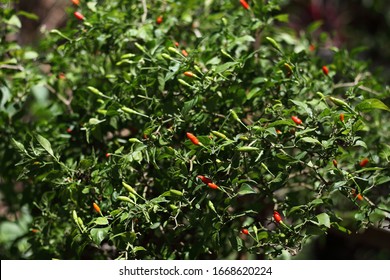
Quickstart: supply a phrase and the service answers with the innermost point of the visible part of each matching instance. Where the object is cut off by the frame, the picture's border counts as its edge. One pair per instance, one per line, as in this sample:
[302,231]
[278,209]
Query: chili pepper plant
[127,137]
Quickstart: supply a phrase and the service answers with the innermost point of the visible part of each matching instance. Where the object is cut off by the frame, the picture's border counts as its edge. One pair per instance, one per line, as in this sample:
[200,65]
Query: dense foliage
[174,130]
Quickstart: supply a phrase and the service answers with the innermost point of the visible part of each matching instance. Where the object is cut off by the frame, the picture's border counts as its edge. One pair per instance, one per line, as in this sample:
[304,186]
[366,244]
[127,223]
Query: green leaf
[30,55]
[138,248]
[282,17]
[99,234]
[45,144]
[19,146]
[323,219]
[370,104]
[15,21]
[246,189]
[102,221]
[262,235]
[222,68]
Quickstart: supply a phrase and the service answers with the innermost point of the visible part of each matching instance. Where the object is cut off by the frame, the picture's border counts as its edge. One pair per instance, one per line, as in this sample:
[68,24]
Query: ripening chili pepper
[34,230]
[342,117]
[193,138]
[184,52]
[69,130]
[212,186]
[297,120]
[96,207]
[325,70]
[245,231]
[61,76]
[76,2]
[277,217]
[159,20]
[334,163]
[244,4]
[278,131]
[358,196]
[204,179]
[289,69]
[189,74]
[79,15]
[108,155]
[363,162]
[176,44]
[312,48]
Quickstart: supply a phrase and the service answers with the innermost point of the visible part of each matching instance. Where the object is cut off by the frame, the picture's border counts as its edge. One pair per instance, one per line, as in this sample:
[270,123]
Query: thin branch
[355,83]
[12,67]
[145,14]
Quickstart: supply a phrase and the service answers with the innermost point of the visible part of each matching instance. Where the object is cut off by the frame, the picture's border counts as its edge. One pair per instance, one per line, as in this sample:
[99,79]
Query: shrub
[161,131]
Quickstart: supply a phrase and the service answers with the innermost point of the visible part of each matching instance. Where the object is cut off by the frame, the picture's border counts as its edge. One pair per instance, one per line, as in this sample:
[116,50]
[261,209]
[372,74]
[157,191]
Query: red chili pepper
[205,179]
[61,76]
[358,196]
[363,162]
[193,138]
[278,131]
[342,117]
[244,4]
[212,186]
[184,52]
[325,70]
[96,207]
[159,20]
[189,74]
[245,231]
[296,120]
[79,15]
[312,48]
[69,130]
[176,44]
[108,155]
[277,217]
[334,163]
[76,2]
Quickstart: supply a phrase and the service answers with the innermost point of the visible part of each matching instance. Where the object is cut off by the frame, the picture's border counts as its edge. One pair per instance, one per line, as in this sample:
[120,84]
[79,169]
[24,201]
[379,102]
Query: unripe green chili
[81,223]
[173,207]
[95,91]
[175,192]
[273,43]
[127,55]
[247,149]
[141,48]
[134,140]
[124,198]
[211,206]
[184,83]
[197,68]
[174,50]
[131,111]
[234,115]
[129,188]
[340,103]
[225,53]
[219,134]
[74,215]
[167,56]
